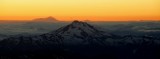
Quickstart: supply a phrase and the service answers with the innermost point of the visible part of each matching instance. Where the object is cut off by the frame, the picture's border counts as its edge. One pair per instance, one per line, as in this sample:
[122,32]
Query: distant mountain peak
[51,18]
[47,19]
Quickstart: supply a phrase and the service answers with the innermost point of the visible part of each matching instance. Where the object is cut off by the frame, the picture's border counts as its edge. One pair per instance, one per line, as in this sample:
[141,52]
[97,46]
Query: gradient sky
[105,10]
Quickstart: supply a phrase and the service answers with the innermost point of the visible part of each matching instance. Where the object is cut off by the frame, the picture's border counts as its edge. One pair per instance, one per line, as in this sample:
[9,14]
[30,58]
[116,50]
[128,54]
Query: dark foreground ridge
[80,40]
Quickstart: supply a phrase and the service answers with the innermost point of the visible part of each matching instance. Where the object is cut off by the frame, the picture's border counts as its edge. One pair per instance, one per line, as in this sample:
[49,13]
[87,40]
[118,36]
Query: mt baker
[80,40]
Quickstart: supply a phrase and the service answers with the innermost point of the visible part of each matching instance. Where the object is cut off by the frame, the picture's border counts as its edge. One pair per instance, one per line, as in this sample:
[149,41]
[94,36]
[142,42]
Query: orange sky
[65,10]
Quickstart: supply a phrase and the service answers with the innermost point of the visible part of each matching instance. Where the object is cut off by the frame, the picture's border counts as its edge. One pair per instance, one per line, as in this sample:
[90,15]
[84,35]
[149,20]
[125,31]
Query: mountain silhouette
[47,19]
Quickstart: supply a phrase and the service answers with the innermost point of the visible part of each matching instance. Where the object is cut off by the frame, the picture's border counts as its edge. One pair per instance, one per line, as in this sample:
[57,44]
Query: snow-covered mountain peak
[78,24]
[78,28]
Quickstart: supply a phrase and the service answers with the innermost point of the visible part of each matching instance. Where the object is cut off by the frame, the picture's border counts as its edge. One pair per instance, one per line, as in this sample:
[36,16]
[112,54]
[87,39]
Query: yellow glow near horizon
[81,9]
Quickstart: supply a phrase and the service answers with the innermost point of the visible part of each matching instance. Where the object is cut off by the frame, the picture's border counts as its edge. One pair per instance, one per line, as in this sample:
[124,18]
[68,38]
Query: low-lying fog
[118,28]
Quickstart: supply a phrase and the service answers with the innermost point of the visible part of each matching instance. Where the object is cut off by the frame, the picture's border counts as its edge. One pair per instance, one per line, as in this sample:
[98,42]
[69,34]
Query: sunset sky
[66,10]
